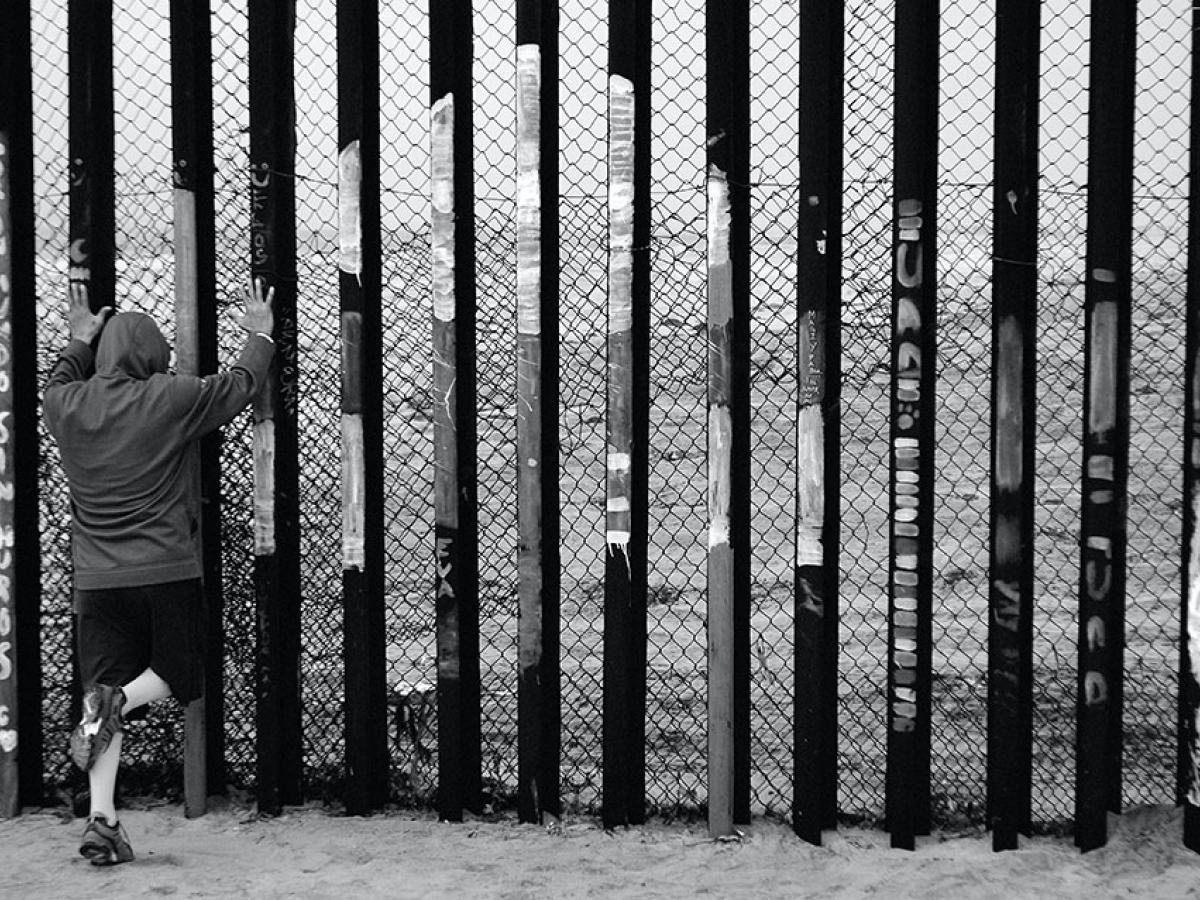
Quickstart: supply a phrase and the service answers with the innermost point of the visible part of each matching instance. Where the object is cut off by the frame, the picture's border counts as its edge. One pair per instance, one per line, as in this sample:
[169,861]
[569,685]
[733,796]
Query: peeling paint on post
[538,678]
[818,421]
[456,580]
[914,317]
[720,554]
[1014,385]
[360,305]
[279,741]
[1188,765]
[9,706]
[196,354]
[1107,300]
[627,427]
[529,425]
[21,775]
[620,313]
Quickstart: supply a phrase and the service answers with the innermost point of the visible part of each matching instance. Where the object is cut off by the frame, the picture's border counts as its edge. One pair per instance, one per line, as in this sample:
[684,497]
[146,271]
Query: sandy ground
[310,852]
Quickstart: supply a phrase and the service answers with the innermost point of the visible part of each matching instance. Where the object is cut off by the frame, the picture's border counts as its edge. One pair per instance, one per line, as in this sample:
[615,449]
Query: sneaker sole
[102,855]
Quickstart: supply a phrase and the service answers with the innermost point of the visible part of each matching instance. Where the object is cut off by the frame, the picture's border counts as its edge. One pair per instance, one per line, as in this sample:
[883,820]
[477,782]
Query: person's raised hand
[258,317]
[84,323]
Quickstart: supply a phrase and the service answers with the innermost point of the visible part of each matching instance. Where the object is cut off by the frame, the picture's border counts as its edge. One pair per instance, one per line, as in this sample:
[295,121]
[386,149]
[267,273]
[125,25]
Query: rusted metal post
[456,521]
[627,459]
[196,354]
[20,571]
[362,405]
[276,472]
[1014,405]
[537,410]
[818,419]
[914,314]
[728,226]
[1105,420]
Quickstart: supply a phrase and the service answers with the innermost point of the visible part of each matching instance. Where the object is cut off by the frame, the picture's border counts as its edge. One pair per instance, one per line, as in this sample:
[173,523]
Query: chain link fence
[676,657]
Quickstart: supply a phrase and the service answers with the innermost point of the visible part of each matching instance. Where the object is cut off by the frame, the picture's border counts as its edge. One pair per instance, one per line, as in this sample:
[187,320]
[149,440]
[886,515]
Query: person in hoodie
[127,431]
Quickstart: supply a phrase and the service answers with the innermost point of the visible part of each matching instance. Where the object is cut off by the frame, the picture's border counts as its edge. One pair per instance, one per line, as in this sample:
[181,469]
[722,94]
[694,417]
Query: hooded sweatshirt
[127,435]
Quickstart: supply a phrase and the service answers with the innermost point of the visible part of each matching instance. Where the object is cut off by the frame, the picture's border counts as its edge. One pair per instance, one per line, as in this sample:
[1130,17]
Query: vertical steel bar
[92,228]
[20,571]
[362,404]
[728,226]
[627,460]
[276,474]
[818,439]
[1105,419]
[1014,347]
[914,315]
[537,408]
[1189,630]
[196,354]
[456,523]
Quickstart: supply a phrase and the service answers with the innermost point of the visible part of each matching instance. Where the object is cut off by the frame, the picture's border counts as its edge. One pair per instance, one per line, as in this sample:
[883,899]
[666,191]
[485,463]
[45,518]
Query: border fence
[698,408]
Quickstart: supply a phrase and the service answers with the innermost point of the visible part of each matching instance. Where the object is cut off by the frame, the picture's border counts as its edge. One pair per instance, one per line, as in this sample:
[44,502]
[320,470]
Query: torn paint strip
[187,350]
[618,462]
[529,189]
[1009,405]
[263,442]
[720,432]
[353,493]
[719,218]
[442,215]
[1102,405]
[810,486]
[620,204]
[350,210]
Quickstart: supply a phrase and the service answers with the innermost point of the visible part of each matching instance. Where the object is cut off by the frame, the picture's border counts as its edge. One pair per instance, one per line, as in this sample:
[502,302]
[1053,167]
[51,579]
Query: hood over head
[131,344]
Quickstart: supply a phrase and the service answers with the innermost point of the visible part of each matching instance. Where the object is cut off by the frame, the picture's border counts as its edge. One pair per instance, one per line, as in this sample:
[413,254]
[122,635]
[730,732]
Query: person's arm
[77,361]
[212,401]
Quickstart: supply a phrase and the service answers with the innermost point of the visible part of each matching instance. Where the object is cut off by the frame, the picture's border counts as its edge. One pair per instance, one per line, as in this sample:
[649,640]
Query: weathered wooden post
[1014,347]
[818,419]
[276,473]
[1105,420]
[196,354]
[20,570]
[538,677]
[914,316]
[1189,626]
[728,225]
[628,425]
[456,519]
[362,405]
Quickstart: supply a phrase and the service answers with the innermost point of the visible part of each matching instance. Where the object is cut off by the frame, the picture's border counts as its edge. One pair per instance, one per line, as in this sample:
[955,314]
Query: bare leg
[146,688]
[102,780]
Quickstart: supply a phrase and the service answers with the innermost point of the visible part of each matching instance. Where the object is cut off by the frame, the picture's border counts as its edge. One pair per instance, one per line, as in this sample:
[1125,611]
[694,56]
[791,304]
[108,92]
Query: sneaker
[104,844]
[101,720]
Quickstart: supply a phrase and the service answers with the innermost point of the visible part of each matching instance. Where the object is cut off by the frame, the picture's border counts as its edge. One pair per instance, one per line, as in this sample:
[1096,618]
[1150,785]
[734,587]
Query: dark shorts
[123,631]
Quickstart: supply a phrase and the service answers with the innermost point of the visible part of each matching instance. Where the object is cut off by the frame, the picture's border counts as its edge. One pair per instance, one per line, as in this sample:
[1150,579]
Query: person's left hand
[84,324]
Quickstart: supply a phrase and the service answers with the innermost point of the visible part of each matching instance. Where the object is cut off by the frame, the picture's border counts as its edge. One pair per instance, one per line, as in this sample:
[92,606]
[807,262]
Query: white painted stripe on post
[353,493]
[264,487]
[441,160]
[620,204]
[529,189]
[349,210]
[810,486]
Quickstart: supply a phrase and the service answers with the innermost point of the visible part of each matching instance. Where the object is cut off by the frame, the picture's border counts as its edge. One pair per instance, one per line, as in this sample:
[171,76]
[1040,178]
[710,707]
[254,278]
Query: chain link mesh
[676,656]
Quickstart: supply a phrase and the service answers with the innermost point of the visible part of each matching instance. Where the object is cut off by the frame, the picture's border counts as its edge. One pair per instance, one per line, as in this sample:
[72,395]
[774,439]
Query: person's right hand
[258,317]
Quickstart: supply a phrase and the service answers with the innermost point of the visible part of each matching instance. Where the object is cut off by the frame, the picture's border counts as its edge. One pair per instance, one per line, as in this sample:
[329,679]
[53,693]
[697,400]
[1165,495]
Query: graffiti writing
[8,736]
[906,461]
